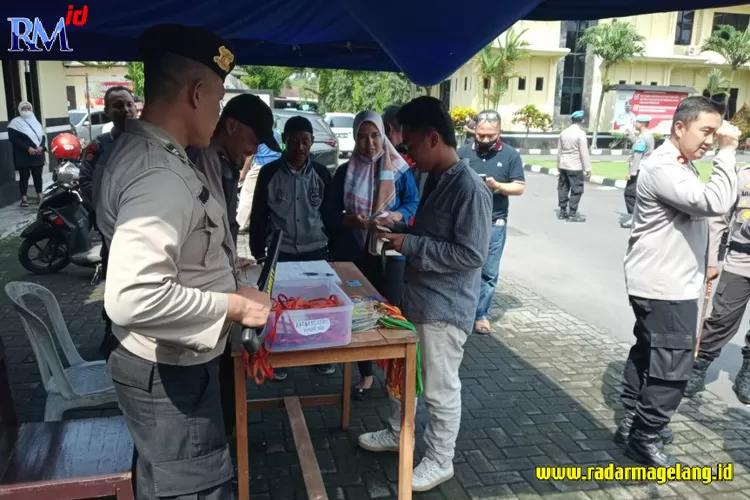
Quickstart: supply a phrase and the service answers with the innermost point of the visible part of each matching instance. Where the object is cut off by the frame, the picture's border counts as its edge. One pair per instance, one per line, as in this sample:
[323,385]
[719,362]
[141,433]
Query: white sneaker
[383,440]
[429,474]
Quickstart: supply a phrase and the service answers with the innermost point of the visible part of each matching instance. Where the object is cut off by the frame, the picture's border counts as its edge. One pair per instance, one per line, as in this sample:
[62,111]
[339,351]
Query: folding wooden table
[371,345]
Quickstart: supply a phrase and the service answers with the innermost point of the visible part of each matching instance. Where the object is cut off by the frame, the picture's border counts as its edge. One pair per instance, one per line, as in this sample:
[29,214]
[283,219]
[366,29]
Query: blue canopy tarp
[425,39]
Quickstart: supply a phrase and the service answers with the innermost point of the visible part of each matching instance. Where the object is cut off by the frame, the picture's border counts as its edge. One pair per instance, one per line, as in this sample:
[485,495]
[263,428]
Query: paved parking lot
[542,391]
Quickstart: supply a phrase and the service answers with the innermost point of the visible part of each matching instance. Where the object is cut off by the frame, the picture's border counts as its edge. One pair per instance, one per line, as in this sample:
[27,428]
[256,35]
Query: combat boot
[646,447]
[741,385]
[623,431]
[697,381]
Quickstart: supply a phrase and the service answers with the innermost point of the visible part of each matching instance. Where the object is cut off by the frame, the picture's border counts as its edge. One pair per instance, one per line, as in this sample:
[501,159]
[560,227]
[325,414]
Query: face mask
[486,146]
[27,114]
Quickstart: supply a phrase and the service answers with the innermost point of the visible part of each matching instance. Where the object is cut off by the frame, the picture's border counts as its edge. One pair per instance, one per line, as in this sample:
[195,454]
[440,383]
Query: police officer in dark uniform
[119,105]
[172,287]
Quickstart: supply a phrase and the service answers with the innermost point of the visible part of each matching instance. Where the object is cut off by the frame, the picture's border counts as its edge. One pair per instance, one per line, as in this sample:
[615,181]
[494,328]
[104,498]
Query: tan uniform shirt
[667,251]
[573,149]
[170,263]
[739,214]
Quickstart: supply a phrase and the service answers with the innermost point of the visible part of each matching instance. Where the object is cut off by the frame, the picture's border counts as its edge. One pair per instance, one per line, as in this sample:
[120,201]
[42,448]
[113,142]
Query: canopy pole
[88,105]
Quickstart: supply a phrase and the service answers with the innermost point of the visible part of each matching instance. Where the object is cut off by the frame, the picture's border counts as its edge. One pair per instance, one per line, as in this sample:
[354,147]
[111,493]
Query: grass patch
[619,169]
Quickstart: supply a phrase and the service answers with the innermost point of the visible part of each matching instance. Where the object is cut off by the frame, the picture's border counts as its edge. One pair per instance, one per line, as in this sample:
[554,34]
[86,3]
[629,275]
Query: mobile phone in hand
[483,177]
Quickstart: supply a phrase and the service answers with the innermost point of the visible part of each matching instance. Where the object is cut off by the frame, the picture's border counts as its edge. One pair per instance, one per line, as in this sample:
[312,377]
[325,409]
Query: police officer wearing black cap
[244,124]
[171,289]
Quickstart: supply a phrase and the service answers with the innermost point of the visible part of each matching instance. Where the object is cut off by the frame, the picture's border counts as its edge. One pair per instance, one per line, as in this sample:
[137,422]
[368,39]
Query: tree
[135,75]
[614,43]
[274,78]
[532,117]
[716,84]
[732,45]
[497,65]
[354,91]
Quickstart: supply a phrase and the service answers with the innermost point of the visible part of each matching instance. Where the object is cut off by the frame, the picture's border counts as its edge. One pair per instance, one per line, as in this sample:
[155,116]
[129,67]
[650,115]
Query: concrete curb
[594,152]
[594,179]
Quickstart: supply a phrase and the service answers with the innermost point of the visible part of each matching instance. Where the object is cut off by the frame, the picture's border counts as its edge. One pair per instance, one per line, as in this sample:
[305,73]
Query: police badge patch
[91,152]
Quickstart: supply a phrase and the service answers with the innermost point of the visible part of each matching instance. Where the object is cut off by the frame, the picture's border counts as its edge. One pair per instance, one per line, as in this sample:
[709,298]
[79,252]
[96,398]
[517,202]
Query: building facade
[42,83]
[559,77]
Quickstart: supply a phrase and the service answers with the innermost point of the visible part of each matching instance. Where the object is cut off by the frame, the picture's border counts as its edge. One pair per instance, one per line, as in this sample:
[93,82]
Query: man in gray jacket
[445,250]
[643,146]
[665,271]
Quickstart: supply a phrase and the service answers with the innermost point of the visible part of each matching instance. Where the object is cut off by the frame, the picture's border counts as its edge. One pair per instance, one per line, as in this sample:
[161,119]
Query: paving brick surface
[543,390]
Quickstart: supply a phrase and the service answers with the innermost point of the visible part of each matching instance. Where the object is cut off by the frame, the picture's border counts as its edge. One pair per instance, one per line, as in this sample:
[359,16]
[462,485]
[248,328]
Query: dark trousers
[389,282]
[660,362]
[569,189]
[174,416]
[729,303]
[23,179]
[629,193]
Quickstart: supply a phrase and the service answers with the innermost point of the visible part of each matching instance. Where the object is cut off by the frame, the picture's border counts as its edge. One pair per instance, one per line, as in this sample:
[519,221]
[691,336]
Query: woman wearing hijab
[376,180]
[29,144]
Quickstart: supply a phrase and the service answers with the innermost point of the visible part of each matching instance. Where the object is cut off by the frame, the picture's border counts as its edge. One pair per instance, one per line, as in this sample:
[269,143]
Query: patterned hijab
[370,184]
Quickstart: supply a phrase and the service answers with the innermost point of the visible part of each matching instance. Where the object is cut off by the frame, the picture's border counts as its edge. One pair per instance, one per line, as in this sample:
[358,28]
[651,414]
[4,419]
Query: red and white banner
[98,89]
[658,105]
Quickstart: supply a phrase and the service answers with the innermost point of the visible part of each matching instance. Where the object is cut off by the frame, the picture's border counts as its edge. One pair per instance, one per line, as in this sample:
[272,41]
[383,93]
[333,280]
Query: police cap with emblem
[643,119]
[250,110]
[191,42]
[577,115]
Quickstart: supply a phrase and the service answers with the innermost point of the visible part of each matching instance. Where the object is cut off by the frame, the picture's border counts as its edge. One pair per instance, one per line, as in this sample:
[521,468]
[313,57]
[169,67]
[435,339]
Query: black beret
[191,42]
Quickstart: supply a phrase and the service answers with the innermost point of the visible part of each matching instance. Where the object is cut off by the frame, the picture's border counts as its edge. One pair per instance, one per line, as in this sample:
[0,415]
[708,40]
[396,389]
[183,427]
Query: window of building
[539,83]
[466,83]
[486,83]
[683,32]
[638,82]
[522,84]
[574,69]
[740,22]
[654,83]
[622,82]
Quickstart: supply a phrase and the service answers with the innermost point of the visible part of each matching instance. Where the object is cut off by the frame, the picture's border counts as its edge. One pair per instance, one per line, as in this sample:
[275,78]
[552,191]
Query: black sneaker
[327,369]
[576,217]
[562,214]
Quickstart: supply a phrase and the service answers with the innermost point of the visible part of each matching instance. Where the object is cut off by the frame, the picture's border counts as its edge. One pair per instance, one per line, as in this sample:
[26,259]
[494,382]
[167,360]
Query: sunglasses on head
[491,116]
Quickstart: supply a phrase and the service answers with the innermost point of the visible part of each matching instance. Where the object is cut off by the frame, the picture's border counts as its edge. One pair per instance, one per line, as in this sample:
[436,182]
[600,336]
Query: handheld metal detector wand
[251,337]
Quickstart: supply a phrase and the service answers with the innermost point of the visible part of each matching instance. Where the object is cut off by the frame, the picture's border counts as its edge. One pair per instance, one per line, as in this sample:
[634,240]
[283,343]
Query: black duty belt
[739,247]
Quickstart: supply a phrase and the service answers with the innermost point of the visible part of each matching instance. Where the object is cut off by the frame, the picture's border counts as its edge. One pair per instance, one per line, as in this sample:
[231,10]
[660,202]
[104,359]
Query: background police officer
[643,146]
[732,293]
[171,288]
[665,271]
[573,166]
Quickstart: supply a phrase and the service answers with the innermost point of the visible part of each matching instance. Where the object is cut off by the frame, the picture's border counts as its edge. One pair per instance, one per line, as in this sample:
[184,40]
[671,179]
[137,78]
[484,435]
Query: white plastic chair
[83,383]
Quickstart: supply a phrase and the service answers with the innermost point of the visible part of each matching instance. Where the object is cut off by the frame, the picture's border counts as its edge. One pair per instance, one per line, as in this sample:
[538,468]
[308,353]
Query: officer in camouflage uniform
[732,293]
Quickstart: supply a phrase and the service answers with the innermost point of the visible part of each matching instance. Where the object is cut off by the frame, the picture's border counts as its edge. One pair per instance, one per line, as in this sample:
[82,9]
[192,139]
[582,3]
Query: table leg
[408,405]
[243,450]
[346,397]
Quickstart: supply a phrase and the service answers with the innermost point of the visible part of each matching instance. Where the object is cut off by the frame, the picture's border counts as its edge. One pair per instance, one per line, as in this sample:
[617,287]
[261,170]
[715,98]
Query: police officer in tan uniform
[732,292]
[171,289]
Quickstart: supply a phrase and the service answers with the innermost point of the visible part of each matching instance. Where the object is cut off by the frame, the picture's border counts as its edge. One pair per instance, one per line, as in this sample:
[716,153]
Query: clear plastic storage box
[304,329]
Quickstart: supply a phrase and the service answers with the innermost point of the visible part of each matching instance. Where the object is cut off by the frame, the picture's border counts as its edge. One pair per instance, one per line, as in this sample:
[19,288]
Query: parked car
[325,149]
[342,124]
[79,120]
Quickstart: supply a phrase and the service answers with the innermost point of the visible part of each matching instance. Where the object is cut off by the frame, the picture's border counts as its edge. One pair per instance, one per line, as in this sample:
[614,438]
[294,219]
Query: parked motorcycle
[60,235]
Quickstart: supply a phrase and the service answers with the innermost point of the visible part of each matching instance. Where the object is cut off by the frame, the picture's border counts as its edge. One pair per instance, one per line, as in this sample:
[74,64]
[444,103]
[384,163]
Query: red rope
[257,365]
